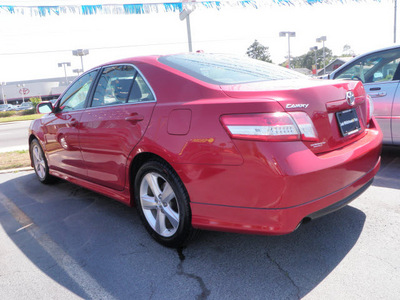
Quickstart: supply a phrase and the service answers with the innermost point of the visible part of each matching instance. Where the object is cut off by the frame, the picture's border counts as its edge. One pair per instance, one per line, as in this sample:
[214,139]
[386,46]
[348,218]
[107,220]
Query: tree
[347,51]
[259,51]
[35,101]
[308,59]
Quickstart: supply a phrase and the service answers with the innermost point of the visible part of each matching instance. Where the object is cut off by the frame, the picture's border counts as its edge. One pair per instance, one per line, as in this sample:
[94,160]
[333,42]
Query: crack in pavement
[204,291]
[286,273]
[152,290]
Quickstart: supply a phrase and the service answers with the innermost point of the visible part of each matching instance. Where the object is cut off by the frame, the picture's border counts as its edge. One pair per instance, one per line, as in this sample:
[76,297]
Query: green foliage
[4,114]
[35,101]
[308,59]
[31,111]
[259,51]
[347,51]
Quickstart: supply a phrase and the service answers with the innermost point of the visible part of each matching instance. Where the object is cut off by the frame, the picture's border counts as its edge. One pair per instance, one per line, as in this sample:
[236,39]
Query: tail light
[370,108]
[278,126]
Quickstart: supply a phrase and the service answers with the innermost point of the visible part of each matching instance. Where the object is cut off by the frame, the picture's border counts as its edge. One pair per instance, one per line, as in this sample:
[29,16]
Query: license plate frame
[348,122]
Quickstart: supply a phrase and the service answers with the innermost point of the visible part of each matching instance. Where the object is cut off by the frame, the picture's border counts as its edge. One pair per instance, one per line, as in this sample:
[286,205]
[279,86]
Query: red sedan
[206,141]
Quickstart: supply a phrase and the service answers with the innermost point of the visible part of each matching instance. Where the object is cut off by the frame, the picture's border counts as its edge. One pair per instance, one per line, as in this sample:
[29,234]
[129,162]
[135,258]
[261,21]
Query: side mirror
[44,107]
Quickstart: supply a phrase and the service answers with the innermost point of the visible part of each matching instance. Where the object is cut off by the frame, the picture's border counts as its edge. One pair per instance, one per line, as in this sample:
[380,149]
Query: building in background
[20,91]
[334,64]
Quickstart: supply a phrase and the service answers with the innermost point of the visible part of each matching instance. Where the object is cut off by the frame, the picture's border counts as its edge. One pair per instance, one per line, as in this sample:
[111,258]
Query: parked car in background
[24,106]
[211,142]
[6,107]
[379,71]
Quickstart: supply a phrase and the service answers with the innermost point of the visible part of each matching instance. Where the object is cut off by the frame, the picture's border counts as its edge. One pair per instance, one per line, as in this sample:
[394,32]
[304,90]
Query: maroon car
[207,141]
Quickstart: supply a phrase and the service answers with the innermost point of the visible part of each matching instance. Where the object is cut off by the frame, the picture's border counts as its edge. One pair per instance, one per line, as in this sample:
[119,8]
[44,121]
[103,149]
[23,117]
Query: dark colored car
[379,71]
[207,141]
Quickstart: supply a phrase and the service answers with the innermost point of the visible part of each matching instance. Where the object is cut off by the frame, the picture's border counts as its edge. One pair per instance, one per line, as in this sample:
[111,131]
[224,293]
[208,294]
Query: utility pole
[395,21]
[289,35]
[188,8]
[315,49]
[323,40]
[65,64]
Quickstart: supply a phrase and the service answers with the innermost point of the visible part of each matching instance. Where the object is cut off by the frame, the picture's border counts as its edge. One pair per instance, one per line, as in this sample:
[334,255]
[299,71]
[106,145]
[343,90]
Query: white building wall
[45,88]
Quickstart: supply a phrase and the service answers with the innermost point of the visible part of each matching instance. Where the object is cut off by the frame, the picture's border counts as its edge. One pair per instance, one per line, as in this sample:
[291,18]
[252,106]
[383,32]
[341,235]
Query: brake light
[370,108]
[306,126]
[278,126]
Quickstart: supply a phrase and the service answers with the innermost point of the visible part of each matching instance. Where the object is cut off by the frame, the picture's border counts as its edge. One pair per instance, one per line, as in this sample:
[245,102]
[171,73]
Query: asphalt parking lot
[62,241]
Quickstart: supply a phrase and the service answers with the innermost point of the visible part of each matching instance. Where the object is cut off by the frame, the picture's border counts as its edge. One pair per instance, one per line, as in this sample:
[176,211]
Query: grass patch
[14,159]
[4,114]
[20,118]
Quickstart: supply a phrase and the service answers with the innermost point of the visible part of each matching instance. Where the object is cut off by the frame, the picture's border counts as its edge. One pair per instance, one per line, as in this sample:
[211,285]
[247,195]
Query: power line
[118,47]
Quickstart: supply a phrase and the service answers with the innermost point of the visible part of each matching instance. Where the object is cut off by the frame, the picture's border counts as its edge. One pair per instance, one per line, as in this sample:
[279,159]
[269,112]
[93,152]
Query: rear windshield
[224,69]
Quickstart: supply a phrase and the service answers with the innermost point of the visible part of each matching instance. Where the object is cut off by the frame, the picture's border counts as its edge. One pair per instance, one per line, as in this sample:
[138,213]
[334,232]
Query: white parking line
[88,284]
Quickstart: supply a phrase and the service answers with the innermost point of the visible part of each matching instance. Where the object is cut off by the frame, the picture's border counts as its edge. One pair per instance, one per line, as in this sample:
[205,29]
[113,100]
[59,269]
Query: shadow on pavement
[388,175]
[97,248]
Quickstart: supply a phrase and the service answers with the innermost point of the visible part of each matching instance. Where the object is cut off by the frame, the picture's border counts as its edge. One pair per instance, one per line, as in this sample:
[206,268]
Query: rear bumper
[276,221]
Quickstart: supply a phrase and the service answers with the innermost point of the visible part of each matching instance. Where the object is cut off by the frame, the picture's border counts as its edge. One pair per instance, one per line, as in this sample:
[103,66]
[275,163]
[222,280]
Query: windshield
[227,69]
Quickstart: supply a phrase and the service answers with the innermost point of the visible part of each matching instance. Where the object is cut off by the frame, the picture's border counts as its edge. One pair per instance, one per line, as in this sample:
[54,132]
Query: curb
[16,170]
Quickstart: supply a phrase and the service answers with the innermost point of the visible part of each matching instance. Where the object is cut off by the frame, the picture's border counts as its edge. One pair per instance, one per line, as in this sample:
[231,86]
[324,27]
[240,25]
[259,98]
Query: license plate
[348,121]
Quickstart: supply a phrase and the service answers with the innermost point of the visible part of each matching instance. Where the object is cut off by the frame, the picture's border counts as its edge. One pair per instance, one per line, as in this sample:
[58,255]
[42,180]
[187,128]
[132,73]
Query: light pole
[289,35]
[315,48]
[22,90]
[2,92]
[323,40]
[184,14]
[395,20]
[78,71]
[65,64]
[81,53]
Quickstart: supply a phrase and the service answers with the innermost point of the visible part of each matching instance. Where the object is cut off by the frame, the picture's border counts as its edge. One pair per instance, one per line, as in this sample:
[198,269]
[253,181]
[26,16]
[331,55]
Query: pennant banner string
[145,8]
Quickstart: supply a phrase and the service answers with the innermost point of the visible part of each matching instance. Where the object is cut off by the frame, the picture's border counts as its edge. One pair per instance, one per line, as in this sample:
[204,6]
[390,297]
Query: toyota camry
[210,141]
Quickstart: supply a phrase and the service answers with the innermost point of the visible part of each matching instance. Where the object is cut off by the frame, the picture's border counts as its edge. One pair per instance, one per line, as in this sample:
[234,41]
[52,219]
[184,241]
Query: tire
[163,204]
[39,163]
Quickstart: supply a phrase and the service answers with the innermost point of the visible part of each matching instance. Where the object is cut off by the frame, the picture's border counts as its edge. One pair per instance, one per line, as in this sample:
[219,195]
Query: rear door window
[120,84]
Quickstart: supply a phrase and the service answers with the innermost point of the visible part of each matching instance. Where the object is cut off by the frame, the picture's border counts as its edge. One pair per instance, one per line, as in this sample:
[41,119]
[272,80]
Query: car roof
[133,60]
[364,54]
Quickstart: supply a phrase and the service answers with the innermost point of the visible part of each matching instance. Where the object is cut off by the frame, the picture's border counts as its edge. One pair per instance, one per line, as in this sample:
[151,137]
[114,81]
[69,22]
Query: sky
[31,46]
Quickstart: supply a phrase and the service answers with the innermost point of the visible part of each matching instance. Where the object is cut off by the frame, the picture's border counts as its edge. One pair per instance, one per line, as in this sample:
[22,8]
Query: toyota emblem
[350,98]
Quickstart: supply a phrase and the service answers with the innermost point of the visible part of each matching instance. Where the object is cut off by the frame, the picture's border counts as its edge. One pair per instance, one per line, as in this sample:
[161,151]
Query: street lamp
[289,35]
[22,91]
[2,92]
[78,71]
[81,53]
[315,48]
[395,21]
[65,64]
[184,14]
[323,40]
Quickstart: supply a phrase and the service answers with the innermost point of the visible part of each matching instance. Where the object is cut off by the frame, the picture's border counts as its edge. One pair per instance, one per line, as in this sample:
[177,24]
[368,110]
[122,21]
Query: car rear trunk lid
[337,109]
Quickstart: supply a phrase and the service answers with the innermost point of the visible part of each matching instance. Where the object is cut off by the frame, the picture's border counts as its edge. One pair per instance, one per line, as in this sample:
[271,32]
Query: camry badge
[350,98]
[297,105]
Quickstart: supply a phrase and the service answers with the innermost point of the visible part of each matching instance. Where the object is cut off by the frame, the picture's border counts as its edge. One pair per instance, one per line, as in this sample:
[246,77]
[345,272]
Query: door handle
[134,119]
[377,95]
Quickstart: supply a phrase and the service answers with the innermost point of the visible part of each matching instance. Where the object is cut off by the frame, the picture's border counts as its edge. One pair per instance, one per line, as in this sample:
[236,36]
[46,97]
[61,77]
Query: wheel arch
[138,161]
[30,139]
